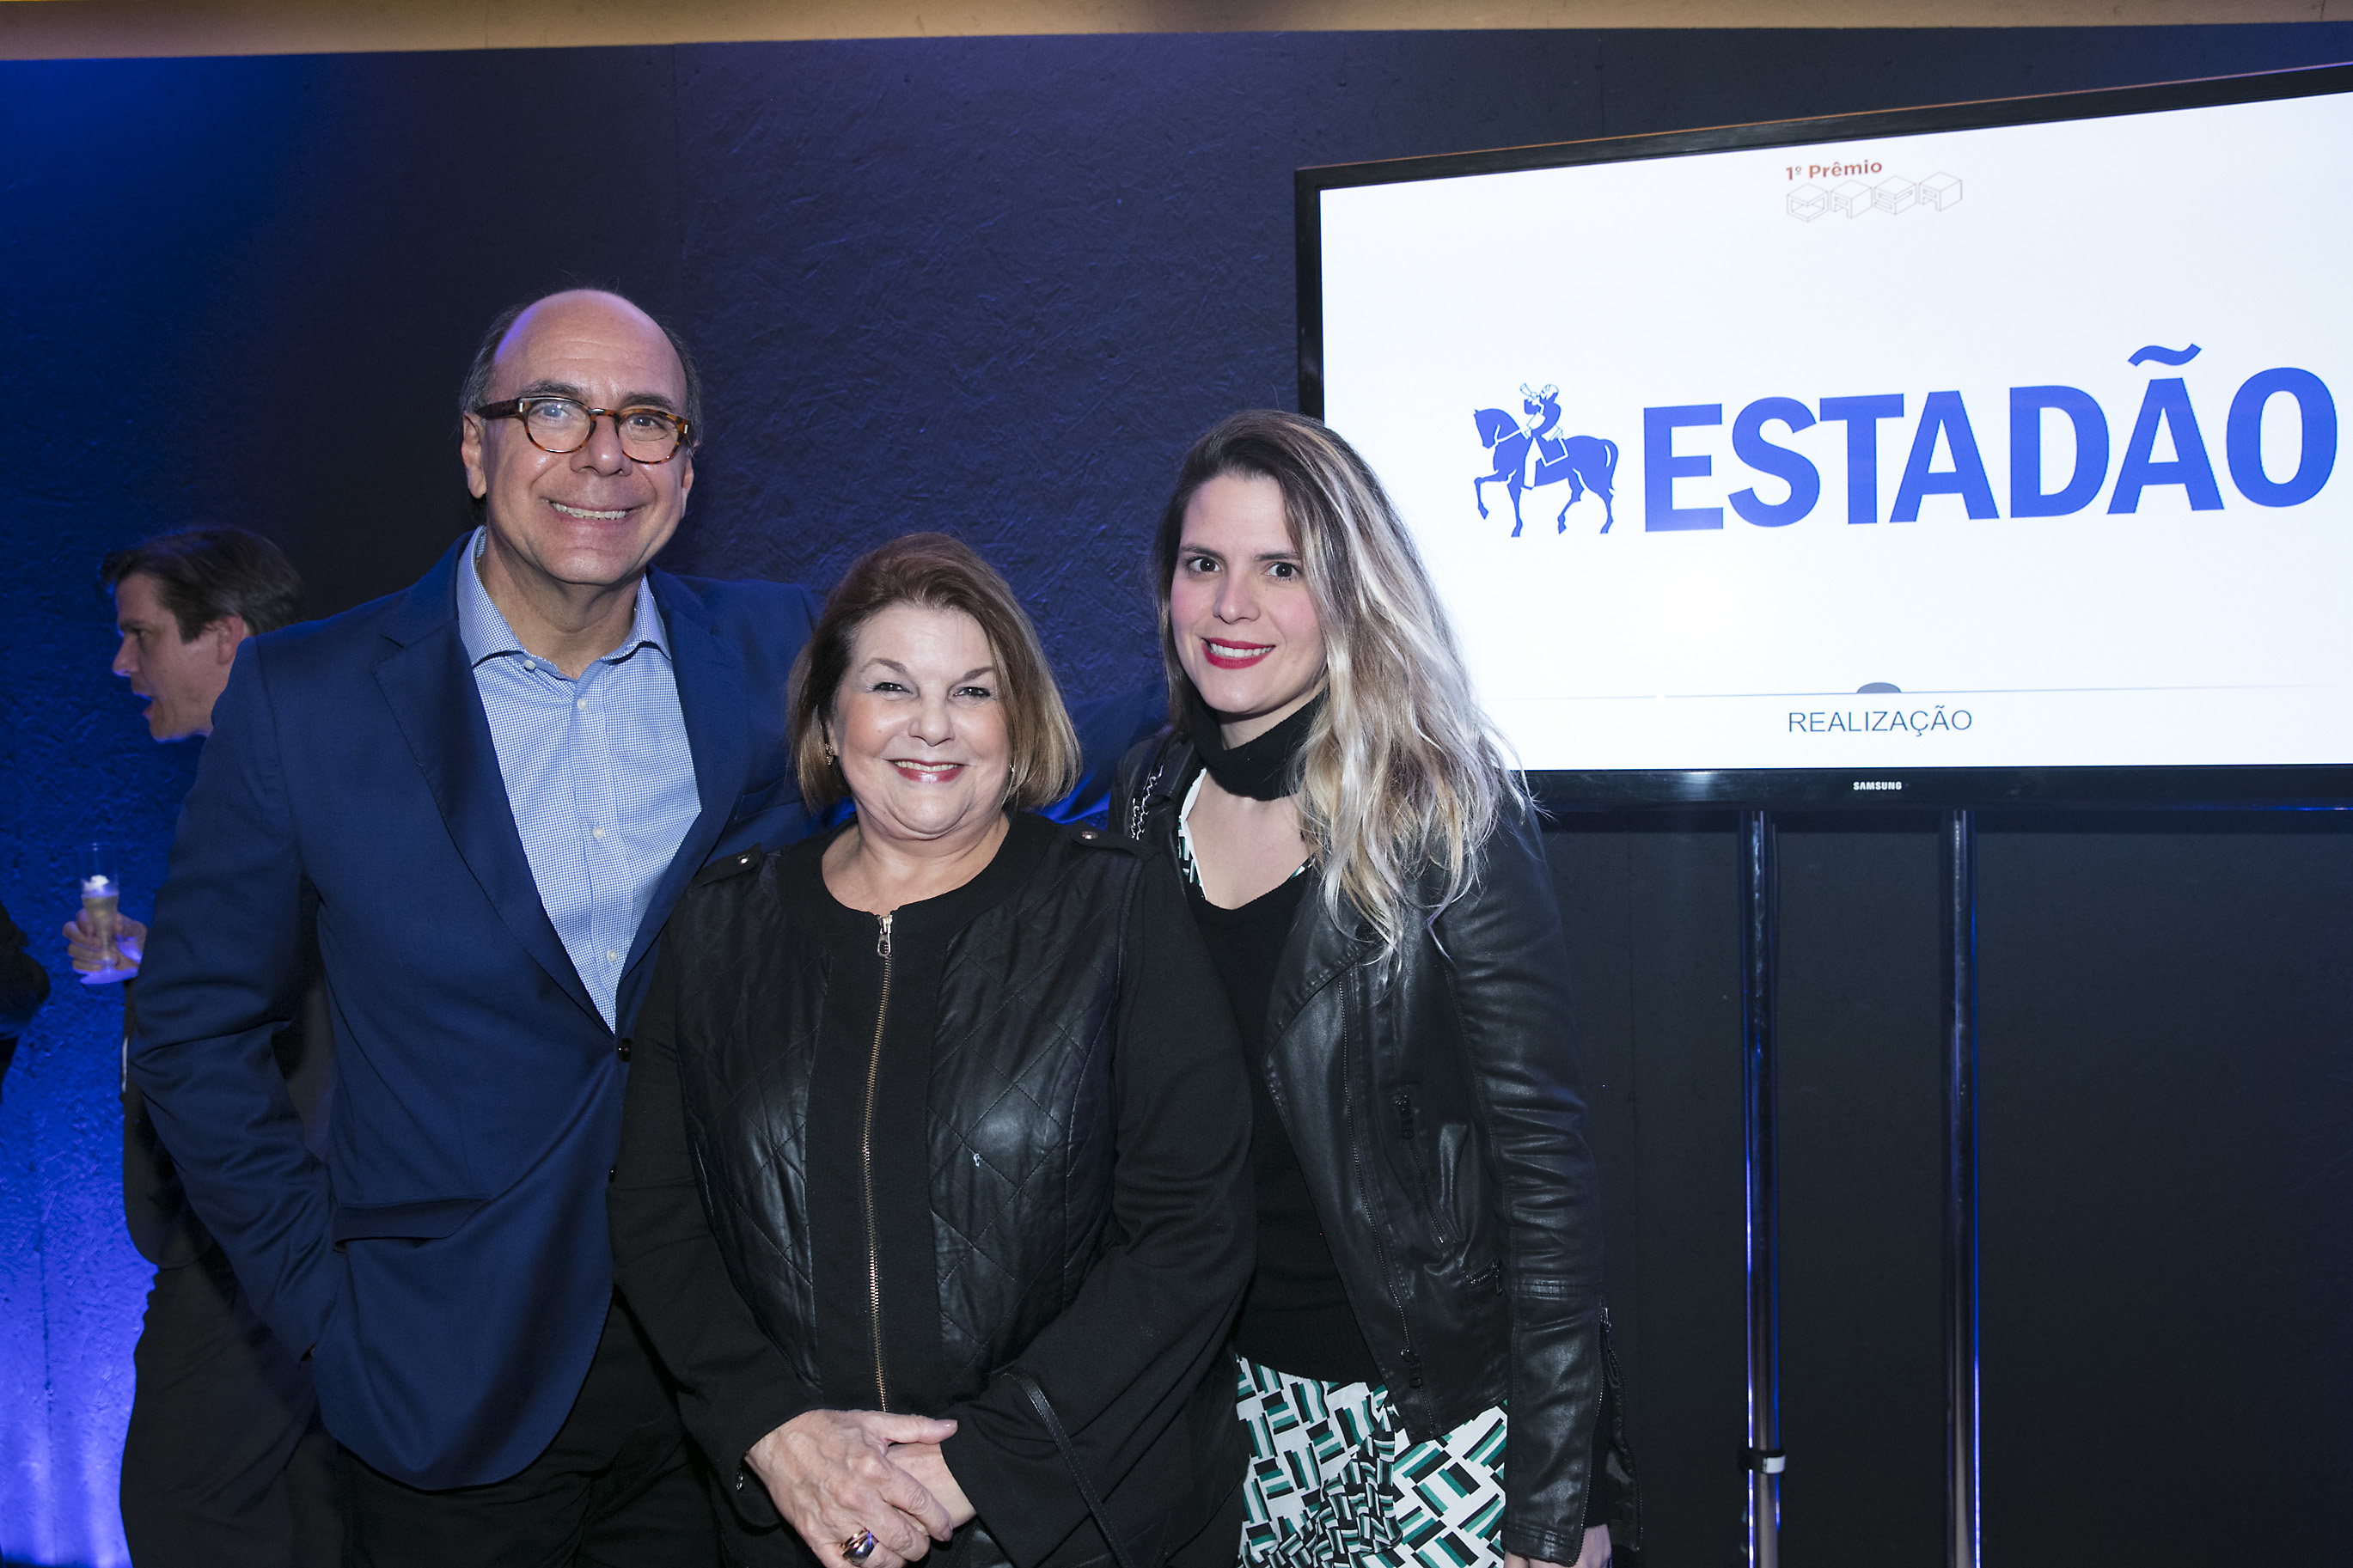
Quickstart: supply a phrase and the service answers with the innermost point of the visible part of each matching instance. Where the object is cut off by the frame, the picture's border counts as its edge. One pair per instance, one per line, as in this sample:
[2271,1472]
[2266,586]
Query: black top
[865,1035]
[1296,1316]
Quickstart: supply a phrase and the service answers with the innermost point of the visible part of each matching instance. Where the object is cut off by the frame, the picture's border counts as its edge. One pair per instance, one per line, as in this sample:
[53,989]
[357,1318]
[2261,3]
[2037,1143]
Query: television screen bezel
[2325,785]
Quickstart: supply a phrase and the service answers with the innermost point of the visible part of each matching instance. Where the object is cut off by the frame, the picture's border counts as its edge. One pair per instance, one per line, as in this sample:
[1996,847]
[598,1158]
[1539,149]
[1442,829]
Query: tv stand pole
[1760,900]
[1959,846]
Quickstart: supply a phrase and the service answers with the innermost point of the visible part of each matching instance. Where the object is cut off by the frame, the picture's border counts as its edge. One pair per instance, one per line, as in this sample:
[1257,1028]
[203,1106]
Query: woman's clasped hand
[839,1475]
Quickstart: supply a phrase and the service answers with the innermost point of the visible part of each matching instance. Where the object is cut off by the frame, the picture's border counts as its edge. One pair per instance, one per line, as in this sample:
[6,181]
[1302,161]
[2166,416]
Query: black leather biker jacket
[1059,1185]
[1437,1114]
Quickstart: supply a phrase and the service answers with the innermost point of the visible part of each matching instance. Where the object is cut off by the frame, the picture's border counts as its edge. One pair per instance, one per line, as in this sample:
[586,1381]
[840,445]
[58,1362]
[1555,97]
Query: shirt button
[529,665]
[580,702]
[621,1048]
[612,957]
[598,831]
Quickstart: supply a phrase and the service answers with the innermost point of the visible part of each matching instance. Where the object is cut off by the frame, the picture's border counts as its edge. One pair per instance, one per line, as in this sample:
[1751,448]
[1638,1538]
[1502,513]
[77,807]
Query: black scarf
[1258,769]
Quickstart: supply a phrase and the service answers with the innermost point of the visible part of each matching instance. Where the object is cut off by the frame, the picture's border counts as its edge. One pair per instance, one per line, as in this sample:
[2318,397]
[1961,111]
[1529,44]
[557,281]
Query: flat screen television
[1971,455]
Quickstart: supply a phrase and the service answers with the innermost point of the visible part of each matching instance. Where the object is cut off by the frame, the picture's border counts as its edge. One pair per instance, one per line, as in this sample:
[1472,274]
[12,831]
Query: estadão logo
[1944,423]
[1528,456]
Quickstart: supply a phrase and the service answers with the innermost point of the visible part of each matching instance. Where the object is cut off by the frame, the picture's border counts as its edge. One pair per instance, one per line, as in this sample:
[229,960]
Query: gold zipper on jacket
[866,1163]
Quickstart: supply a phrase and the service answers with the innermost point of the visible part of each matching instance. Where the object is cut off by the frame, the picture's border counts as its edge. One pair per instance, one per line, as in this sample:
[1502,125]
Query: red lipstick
[1209,650]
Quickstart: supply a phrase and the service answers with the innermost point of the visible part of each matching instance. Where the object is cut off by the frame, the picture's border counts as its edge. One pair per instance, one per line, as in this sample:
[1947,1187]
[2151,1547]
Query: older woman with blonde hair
[932,1188]
[1423,1356]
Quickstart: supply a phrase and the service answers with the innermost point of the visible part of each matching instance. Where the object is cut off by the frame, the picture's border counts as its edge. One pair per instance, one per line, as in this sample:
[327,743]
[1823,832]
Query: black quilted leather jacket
[1438,1109]
[1084,1213]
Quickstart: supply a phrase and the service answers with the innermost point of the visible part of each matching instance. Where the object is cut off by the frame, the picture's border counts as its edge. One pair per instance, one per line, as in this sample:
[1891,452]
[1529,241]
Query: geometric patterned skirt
[1333,1483]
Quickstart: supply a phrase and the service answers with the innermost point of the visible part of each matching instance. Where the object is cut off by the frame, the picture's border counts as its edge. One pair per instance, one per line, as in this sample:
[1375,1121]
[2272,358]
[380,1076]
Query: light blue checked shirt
[598,770]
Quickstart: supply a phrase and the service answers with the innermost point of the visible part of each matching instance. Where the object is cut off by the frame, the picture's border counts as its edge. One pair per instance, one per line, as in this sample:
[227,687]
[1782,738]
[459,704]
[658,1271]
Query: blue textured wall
[992,286]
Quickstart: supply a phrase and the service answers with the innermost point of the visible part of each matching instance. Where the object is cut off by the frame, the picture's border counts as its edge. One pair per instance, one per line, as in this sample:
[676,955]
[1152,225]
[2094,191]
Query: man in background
[226,1462]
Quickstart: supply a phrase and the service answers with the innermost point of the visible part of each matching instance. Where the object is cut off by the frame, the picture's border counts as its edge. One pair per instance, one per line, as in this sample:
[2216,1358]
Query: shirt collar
[484,630]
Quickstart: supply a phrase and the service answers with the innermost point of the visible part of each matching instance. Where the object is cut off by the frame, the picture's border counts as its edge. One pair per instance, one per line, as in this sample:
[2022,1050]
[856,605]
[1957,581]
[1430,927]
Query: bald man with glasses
[492,787]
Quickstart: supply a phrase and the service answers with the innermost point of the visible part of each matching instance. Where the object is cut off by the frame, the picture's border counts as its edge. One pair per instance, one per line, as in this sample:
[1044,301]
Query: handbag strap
[1045,1407]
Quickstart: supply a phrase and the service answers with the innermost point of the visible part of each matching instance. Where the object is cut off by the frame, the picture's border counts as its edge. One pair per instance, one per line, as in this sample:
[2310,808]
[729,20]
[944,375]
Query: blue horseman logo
[1528,454]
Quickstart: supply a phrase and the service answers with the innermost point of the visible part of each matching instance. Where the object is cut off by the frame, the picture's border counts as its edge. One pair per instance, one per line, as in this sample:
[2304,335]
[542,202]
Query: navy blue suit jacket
[447,1265]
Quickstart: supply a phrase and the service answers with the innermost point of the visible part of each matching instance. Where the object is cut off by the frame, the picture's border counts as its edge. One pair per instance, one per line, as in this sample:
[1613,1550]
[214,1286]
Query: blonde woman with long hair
[1423,1364]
